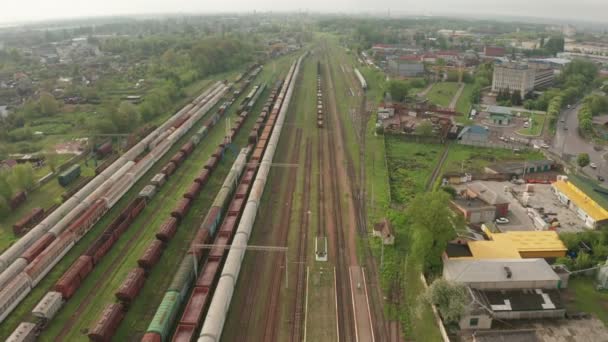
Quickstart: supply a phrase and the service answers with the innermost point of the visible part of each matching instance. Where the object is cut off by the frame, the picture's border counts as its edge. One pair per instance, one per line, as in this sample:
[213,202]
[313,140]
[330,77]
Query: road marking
[306,306]
[336,297]
[352,297]
[369,314]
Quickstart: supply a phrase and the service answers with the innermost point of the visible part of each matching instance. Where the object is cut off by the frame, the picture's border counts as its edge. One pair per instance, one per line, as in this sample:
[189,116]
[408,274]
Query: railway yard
[268,169]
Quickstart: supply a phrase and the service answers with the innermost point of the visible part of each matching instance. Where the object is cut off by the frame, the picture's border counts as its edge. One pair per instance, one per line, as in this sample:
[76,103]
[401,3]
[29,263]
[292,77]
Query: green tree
[450,298]
[583,160]
[22,175]
[48,105]
[433,225]
[126,117]
[425,128]
[6,191]
[398,89]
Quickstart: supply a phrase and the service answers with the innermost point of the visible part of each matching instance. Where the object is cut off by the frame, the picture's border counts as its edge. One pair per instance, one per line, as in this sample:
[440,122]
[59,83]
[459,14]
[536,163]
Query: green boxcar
[67,176]
[183,278]
[165,315]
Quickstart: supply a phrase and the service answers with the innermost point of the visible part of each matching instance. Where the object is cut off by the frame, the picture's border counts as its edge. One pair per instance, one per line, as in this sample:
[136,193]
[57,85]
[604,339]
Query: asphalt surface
[569,144]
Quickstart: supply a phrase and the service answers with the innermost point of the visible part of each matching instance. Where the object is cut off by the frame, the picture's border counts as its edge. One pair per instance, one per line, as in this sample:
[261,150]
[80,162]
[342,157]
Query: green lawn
[581,295]
[536,127]
[474,159]
[463,105]
[442,93]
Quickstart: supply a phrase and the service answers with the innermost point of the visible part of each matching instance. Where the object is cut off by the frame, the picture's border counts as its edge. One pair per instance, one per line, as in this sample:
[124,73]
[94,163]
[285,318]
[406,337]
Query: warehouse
[504,274]
[584,206]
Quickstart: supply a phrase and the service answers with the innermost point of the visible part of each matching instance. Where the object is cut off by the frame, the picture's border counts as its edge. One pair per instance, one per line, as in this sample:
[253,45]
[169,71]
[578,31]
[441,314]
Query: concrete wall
[512,285]
[484,322]
[535,314]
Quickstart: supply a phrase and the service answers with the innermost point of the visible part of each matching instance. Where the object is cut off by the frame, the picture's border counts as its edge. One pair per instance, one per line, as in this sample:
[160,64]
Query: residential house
[384,230]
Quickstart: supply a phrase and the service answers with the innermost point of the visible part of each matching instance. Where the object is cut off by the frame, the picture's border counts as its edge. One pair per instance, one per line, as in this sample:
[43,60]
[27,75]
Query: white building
[521,77]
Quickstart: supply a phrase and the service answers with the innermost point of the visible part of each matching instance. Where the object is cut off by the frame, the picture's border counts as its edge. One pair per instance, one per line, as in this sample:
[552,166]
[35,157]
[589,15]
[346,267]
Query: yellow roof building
[515,245]
[581,200]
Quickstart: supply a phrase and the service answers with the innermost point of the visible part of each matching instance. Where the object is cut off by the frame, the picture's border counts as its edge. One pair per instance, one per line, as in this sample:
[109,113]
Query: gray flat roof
[493,270]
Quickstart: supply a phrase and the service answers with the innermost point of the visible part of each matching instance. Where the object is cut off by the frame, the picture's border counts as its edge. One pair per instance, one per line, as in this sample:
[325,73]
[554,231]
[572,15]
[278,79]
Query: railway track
[346,325]
[298,307]
[272,308]
[435,174]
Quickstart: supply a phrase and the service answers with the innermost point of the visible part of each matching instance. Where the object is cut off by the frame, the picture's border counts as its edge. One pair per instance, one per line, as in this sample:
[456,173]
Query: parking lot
[541,198]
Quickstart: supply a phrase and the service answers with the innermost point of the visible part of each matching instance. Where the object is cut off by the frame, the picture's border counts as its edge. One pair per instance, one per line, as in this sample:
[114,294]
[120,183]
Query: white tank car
[15,268]
[13,293]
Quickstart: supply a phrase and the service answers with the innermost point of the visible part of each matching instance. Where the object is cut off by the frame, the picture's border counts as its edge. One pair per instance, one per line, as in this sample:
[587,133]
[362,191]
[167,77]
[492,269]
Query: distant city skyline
[564,10]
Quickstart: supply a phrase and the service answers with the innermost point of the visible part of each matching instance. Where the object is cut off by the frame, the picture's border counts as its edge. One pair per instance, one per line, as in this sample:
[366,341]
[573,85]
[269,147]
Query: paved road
[569,142]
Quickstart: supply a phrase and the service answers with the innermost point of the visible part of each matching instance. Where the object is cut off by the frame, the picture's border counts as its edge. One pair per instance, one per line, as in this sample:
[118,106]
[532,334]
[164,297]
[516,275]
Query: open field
[442,93]
[409,166]
[124,257]
[464,158]
[582,296]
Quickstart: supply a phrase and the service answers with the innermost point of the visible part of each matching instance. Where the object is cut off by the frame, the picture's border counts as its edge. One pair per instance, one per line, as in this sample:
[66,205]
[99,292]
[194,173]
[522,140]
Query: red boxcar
[168,169]
[236,206]
[219,151]
[187,148]
[180,121]
[208,274]
[73,277]
[107,324]
[151,255]
[130,287]
[241,191]
[193,311]
[101,246]
[202,177]
[178,158]
[167,229]
[217,252]
[184,333]
[193,190]
[248,177]
[181,209]
[211,163]
[257,155]
[17,199]
[151,337]
[34,250]
[31,219]
[211,219]
[104,150]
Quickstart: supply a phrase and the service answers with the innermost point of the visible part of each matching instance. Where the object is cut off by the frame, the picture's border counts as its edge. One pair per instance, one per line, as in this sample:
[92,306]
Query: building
[474,134]
[493,51]
[406,66]
[520,168]
[584,206]
[487,305]
[509,245]
[522,77]
[384,230]
[513,77]
[487,195]
[503,274]
[500,115]
[474,210]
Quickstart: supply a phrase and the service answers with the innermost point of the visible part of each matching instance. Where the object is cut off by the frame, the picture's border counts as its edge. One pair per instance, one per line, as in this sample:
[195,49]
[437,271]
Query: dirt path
[426,90]
[456,97]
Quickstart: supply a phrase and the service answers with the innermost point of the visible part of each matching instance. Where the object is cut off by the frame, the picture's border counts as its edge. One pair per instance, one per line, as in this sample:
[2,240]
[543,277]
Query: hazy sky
[579,10]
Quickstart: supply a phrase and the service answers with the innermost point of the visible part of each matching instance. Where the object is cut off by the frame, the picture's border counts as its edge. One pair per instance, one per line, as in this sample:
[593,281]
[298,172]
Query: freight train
[220,304]
[167,312]
[320,110]
[27,261]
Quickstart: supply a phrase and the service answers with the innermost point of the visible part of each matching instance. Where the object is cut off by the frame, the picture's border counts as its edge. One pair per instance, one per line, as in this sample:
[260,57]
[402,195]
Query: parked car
[593,166]
[565,128]
[502,220]
[600,178]
[544,146]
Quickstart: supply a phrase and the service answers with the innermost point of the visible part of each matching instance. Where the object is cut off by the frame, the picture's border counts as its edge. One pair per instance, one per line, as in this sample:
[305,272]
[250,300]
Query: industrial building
[509,245]
[406,66]
[593,214]
[521,168]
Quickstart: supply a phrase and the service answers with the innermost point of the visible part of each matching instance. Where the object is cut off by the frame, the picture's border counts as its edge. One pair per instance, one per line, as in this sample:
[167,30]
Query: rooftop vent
[508,272]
